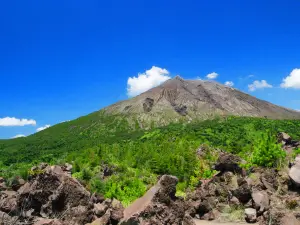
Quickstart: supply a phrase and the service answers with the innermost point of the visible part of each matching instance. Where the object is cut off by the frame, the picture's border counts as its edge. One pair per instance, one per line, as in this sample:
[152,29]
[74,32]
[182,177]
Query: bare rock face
[52,193]
[159,206]
[53,197]
[148,104]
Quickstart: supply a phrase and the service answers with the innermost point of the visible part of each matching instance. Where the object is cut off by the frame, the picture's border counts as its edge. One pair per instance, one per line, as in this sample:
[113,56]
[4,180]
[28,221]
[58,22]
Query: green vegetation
[136,157]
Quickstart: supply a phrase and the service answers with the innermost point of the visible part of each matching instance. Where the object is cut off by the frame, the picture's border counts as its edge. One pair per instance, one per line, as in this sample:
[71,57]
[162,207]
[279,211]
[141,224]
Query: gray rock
[250,215]
[100,209]
[294,174]
[261,201]
[289,220]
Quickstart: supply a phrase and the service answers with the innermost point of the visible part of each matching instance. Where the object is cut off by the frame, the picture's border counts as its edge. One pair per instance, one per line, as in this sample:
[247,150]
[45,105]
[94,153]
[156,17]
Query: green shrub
[267,152]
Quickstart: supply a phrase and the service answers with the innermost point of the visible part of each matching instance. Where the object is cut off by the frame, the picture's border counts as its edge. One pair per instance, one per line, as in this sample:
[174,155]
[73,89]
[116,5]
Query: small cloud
[212,75]
[147,80]
[292,81]
[259,85]
[12,121]
[229,83]
[19,136]
[251,75]
[43,128]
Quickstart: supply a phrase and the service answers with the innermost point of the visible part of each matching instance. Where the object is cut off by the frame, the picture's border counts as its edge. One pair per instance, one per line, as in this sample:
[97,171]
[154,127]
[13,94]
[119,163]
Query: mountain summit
[178,99]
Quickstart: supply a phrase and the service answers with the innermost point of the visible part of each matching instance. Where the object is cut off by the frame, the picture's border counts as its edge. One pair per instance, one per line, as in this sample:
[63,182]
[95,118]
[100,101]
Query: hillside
[112,141]
[185,100]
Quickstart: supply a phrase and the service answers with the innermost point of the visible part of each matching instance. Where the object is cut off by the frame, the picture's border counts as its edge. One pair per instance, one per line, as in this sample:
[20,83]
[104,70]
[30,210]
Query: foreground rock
[159,206]
[52,193]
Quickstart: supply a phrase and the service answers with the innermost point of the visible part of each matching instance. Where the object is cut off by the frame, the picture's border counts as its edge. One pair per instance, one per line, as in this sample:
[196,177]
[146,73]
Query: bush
[267,152]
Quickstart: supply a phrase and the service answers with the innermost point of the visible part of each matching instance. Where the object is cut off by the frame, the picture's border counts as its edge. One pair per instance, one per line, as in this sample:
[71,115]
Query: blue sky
[63,59]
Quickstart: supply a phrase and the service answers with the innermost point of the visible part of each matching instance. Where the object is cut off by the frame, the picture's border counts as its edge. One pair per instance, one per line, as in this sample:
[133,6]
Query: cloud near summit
[147,80]
[292,81]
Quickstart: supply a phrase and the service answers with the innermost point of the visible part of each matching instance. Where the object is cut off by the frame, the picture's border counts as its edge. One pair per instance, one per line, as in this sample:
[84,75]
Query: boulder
[284,138]
[99,209]
[8,201]
[294,174]
[51,193]
[250,215]
[289,220]
[103,220]
[228,162]
[261,201]
[5,219]
[117,211]
[243,193]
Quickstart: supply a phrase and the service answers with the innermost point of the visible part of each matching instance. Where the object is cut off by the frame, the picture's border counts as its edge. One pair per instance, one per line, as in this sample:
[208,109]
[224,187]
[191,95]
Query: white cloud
[12,121]
[19,135]
[229,83]
[259,85]
[43,128]
[292,81]
[212,75]
[145,81]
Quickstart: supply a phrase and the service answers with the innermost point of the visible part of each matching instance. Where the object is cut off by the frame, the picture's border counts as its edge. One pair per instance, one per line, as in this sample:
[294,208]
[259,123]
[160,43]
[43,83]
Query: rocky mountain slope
[179,99]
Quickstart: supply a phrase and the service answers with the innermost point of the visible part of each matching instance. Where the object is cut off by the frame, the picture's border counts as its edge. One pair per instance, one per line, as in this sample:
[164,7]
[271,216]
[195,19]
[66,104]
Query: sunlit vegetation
[136,157]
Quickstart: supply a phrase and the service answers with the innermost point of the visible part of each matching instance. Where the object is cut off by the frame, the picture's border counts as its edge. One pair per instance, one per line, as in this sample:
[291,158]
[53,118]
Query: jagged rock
[96,198]
[261,201]
[2,184]
[284,138]
[52,193]
[228,162]
[243,193]
[158,206]
[8,202]
[234,201]
[103,220]
[5,219]
[99,209]
[250,215]
[16,184]
[289,220]
[294,174]
[117,212]
[208,216]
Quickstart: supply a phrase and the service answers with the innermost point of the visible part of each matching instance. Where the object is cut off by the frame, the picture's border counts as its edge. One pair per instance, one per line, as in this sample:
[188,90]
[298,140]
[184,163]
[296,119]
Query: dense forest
[135,157]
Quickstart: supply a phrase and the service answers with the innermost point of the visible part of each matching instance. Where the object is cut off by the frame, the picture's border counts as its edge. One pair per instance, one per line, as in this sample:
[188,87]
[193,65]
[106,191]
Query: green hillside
[136,157]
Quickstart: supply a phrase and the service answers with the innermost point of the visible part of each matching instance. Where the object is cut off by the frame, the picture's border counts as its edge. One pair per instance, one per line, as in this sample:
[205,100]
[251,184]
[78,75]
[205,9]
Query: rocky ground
[262,196]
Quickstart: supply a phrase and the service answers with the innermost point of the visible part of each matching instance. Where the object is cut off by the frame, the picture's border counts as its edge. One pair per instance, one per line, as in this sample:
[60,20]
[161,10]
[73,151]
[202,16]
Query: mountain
[176,100]
[179,99]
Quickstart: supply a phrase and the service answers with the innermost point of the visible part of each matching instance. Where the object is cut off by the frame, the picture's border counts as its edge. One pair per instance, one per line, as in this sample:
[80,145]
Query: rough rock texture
[250,215]
[52,193]
[159,206]
[185,100]
[294,174]
[228,162]
[261,201]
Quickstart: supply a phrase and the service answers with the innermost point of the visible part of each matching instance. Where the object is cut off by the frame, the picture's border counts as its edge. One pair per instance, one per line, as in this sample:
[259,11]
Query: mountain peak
[179,99]
[178,78]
